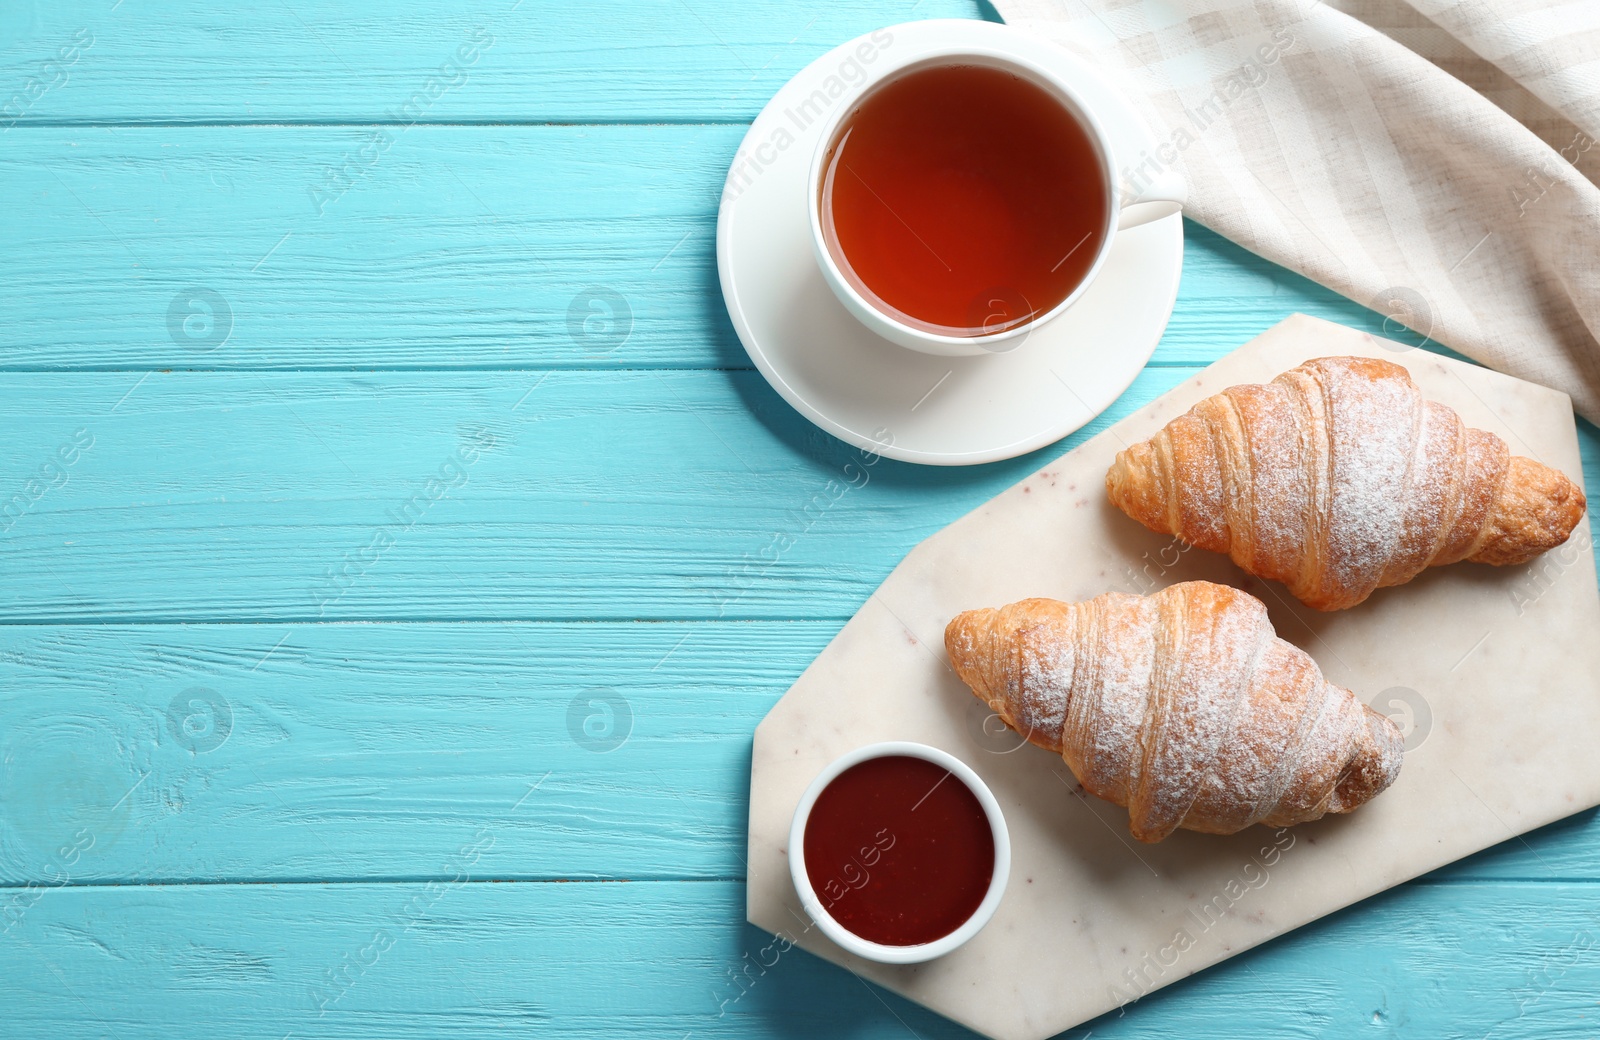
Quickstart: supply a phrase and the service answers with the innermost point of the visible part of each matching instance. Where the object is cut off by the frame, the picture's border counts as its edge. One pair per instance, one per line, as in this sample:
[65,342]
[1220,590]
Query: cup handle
[1163,196]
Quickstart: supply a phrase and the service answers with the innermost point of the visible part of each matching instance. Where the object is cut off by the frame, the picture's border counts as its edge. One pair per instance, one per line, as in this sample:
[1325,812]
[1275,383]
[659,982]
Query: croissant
[1337,478]
[1182,706]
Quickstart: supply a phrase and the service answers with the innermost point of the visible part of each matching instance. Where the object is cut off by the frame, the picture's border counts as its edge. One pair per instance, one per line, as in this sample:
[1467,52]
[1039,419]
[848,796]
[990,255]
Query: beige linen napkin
[1433,160]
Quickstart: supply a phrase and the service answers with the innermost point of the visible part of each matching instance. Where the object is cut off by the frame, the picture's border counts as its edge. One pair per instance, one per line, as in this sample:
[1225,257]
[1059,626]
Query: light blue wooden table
[383,640]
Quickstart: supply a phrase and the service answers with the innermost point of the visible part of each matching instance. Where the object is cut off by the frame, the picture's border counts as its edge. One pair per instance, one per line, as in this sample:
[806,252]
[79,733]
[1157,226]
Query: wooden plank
[479,60]
[452,248]
[468,960]
[244,752]
[215,753]
[1229,296]
[438,496]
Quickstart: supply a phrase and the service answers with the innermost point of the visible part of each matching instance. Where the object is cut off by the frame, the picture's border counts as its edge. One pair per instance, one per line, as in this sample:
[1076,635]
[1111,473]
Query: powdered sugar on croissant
[1183,706]
[1337,479]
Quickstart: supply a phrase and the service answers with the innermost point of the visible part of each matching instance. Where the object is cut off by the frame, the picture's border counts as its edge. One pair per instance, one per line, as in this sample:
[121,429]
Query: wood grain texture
[307,752]
[241,657]
[475,960]
[451,247]
[431,496]
[296,61]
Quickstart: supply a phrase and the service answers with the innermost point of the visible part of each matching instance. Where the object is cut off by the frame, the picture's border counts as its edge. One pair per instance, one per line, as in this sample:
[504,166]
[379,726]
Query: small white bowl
[843,936]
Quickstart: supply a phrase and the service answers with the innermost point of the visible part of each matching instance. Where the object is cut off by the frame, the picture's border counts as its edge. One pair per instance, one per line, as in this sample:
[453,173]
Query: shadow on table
[811,442]
[804,997]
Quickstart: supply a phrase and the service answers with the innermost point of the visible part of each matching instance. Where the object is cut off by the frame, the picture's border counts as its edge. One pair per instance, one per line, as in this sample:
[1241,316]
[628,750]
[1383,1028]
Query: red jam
[899,850]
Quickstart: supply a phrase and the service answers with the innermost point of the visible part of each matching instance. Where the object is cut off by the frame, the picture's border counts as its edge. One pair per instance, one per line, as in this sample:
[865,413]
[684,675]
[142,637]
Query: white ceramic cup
[879,951]
[1161,196]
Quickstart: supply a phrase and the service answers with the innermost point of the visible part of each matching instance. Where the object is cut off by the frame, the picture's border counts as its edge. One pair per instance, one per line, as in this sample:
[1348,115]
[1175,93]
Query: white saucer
[896,402]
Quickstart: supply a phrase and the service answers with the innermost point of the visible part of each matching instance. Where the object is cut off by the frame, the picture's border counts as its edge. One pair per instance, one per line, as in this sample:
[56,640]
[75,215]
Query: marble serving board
[1493,672]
